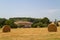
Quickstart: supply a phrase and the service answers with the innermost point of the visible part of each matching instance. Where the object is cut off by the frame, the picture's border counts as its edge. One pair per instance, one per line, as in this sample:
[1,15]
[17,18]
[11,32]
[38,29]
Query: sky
[30,8]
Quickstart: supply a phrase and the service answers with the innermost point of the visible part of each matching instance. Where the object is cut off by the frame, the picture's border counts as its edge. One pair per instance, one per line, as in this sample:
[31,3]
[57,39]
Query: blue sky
[30,8]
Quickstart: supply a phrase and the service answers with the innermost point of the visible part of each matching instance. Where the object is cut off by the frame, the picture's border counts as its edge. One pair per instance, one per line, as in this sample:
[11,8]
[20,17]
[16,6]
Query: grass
[30,34]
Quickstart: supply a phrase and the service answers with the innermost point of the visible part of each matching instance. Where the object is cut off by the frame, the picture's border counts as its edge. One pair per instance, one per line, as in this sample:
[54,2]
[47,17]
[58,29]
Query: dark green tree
[45,20]
[11,23]
[2,21]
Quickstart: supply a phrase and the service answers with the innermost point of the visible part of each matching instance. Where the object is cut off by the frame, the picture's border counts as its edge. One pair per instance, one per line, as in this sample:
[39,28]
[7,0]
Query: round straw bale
[52,28]
[6,28]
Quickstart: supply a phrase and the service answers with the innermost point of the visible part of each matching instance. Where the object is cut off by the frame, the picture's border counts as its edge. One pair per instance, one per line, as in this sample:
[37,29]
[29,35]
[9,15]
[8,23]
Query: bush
[43,25]
[11,23]
[40,24]
[34,25]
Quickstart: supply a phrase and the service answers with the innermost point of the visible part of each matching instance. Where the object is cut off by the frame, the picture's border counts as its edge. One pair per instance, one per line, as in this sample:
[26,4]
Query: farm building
[25,23]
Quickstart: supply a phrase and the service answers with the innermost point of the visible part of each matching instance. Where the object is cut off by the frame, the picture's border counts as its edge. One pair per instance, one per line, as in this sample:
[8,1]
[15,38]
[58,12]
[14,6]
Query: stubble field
[30,34]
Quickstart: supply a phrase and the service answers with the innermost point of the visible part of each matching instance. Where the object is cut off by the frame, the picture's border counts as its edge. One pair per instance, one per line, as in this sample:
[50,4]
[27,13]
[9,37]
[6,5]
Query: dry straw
[6,28]
[52,28]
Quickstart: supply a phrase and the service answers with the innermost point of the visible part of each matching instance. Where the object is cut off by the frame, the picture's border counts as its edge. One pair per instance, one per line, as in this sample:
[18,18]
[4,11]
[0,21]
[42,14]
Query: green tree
[2,21]
[11,23]
[45,20]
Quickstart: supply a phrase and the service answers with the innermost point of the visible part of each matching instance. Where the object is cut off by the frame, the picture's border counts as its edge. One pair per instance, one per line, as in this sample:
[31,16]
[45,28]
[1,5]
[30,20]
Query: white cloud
[49,11]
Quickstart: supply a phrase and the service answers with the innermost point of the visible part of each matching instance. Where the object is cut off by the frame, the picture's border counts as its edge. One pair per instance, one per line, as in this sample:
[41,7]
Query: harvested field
[30,34]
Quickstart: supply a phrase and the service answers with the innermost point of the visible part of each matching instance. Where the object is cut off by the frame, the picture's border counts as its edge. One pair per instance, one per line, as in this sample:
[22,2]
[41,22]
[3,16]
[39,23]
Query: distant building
[25,23]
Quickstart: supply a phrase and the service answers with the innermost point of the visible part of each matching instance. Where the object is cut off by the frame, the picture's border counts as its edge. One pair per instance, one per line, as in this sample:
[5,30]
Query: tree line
[37,22]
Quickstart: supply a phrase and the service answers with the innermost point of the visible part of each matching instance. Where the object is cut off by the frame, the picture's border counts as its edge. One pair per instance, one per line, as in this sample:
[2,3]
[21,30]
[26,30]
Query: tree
[2,21]
[56,22]
[46,20]
[11,23]
[34,25]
